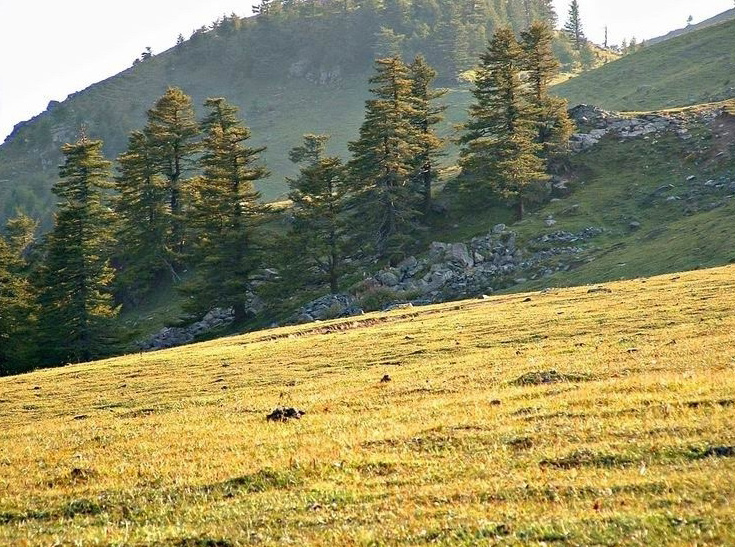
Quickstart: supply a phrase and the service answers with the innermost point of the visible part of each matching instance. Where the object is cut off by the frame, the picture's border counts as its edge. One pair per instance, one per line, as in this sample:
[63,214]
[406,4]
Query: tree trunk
[520,209]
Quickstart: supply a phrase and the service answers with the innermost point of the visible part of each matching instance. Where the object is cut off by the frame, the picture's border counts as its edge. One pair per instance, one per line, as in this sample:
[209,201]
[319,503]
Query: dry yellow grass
[629,442]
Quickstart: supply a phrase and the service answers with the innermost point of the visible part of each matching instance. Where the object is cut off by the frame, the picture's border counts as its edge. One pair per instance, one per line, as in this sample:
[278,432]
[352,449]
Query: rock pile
[599,123]
[170,337]
[330,306]
[283,414]
[486,263]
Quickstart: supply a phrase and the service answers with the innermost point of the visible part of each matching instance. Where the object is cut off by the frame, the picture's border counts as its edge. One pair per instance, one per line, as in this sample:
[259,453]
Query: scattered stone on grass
[599,290]
[548,377]
[284,414]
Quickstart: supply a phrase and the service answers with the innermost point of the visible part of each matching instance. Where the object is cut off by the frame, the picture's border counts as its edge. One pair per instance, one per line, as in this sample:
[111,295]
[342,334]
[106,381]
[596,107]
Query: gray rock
[459,254]
[387,278]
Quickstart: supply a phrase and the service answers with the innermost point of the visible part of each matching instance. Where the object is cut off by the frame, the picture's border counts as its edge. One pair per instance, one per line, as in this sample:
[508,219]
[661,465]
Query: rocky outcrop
[449,271]
[330,306]
[484,264]
[170,337]
[595,123]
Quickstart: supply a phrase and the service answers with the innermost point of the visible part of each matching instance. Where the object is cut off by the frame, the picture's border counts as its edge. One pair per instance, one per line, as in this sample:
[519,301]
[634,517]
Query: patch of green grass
[690,69]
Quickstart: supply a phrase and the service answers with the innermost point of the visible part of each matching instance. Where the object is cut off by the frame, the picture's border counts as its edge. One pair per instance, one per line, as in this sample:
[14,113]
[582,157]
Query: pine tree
[170,135]
[554,128]
[143,219]
[426,116]
[225,213]
[76,276]
[17,317]
[547,13]
[317,236]
[382,163]
[499,151]
[573,26]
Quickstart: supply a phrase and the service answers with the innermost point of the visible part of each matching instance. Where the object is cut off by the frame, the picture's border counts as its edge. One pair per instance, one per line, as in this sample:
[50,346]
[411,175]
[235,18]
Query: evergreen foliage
[573,26]
[382,167]
[317,237]
[17,310]
[500,153]
[224,214]
[426,116]
[143,219]
[171,135]
[554,128]
[76,276]
[294,44]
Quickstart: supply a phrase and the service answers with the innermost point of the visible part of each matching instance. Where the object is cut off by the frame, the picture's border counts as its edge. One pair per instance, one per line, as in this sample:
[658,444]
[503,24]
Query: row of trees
[345,35]
[183,200]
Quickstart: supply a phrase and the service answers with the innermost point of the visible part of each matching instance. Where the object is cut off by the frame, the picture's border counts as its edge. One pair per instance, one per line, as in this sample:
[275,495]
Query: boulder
[459,254]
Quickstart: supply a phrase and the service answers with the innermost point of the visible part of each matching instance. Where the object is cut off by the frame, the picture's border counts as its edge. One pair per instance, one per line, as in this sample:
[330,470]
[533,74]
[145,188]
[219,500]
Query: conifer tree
[573,26]
[225,213]
[499,151]
[170,135]
[143,218]
[547,12]
[382,164]
[426,116]
[76,276]
[17,318]
[317,237]
[554,128]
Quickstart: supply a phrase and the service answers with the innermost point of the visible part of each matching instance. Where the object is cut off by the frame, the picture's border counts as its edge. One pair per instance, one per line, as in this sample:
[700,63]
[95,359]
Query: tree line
[181,206]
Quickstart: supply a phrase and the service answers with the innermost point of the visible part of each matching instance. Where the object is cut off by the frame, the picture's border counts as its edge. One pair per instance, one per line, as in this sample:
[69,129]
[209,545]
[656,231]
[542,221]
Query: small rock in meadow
[495,402]
[283,414]
[598,290]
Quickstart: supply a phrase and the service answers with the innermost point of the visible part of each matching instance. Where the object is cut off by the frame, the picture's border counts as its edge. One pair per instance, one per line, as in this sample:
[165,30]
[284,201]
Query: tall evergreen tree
[499,151]
[225,213]
[573,26]
[76,276]
[382,163]
[17,318]
[318,233]
[554,128]
[171,135]
[143,218]
[426,116]
[547,13]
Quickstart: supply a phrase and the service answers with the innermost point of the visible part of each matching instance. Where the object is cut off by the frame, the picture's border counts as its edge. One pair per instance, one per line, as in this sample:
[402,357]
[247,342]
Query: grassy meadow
[597,415]
[690,69]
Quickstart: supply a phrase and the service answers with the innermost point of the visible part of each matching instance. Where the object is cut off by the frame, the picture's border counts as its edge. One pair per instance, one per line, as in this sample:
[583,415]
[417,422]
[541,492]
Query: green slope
[696,68]
[295,70]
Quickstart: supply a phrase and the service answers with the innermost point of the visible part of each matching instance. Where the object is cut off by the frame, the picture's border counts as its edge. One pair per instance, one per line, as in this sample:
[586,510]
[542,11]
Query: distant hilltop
[721,18]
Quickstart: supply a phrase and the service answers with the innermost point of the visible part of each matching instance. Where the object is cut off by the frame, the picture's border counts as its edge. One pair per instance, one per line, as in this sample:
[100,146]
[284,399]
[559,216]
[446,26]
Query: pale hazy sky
[51,48]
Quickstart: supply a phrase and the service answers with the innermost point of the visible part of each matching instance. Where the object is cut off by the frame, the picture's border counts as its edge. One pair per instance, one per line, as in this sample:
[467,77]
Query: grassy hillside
[595,415]
[297,67]
[695,68]
[719,18]
[683,223]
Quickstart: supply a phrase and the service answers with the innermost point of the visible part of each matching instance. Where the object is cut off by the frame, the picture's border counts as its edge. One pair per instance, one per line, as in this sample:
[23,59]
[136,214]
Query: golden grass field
[585,416]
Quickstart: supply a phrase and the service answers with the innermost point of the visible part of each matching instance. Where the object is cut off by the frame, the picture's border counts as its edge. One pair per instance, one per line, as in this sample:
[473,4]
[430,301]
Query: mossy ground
[580,416]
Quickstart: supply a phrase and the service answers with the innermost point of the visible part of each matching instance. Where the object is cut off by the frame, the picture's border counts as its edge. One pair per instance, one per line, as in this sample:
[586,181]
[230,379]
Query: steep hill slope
[717,19]
[698,67]
[291,71]
[589,416]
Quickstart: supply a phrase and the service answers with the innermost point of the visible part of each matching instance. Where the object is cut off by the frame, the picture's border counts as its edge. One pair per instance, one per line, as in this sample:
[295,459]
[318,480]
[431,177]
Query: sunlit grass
[593,415]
